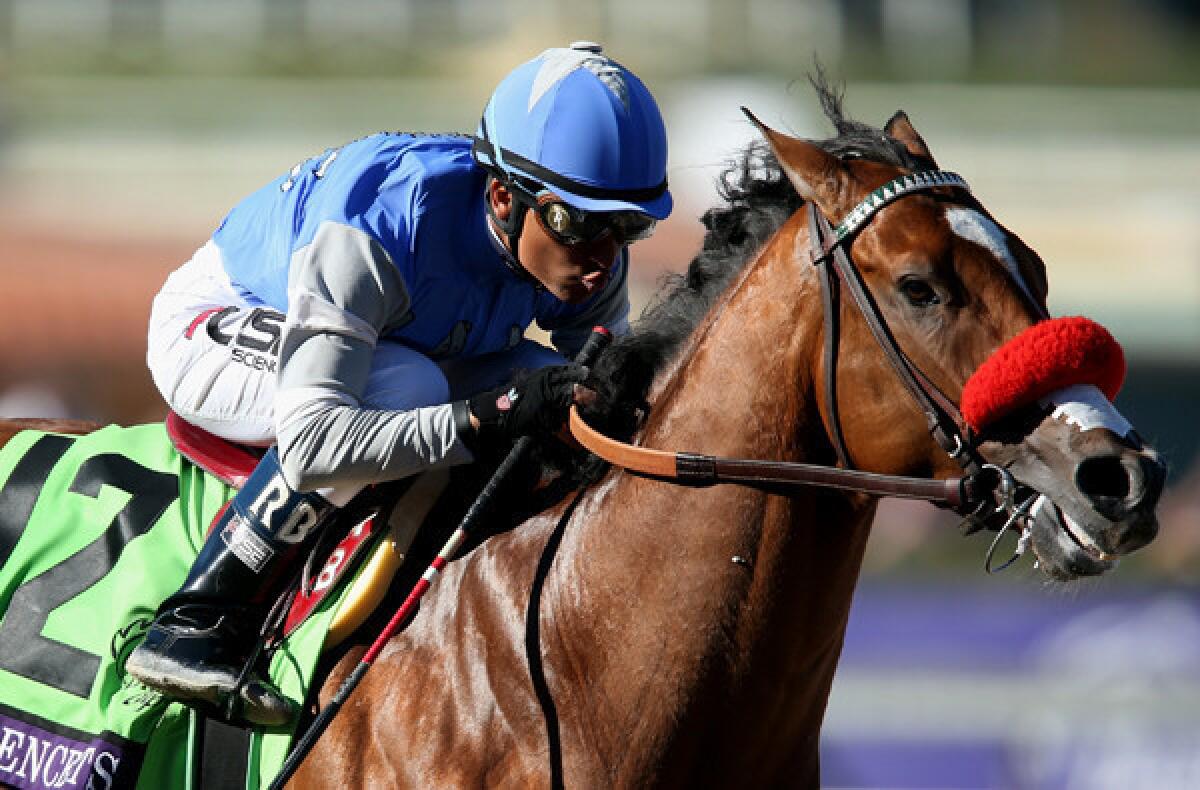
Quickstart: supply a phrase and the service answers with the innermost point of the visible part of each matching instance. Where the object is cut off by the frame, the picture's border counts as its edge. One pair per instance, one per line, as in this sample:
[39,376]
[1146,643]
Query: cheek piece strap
[1044,358]
[512,228]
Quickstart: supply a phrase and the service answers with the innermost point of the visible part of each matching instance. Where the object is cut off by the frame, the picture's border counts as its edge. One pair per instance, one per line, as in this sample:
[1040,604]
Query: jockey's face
[572,273]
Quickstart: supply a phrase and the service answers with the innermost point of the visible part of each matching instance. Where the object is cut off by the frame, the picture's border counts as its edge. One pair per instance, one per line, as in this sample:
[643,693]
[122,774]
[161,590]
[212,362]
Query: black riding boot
[204,634]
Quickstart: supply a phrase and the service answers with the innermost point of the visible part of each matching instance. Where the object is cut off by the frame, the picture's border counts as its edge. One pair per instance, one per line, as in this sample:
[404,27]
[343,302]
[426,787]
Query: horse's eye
[918,292]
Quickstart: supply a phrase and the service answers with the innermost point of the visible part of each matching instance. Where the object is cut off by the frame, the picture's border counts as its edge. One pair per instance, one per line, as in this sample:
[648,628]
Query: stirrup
[256,703]
[221,684]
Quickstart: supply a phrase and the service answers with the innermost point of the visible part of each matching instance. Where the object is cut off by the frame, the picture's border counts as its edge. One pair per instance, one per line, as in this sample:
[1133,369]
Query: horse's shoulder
[499,572]
[484,594]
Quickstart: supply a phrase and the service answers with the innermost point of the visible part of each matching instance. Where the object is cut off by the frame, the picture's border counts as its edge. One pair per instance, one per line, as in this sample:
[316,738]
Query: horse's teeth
[1079,532]
[1086,540]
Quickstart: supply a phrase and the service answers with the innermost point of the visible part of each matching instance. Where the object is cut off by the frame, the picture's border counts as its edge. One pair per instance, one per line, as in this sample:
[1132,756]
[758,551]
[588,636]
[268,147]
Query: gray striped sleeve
[343,292]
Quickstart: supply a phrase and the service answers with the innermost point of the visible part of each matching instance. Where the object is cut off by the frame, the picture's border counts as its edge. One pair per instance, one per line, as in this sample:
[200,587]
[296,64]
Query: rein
[966,494]
[692,469]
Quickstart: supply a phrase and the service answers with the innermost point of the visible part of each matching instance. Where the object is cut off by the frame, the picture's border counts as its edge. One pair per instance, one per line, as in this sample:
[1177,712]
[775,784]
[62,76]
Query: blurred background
[129,127]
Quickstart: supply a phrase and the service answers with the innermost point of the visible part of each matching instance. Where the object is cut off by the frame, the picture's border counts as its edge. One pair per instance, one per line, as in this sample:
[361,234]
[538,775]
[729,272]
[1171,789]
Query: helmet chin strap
[512,228]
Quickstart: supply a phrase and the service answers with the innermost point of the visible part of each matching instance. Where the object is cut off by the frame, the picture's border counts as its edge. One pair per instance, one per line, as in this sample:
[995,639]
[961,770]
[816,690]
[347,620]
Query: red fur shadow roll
[1044,358]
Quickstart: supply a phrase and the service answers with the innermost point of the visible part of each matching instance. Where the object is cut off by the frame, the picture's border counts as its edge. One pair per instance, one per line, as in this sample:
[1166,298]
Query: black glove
[534,404]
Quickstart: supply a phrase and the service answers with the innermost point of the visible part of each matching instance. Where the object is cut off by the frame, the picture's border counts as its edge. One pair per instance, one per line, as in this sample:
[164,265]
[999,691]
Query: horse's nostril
[1104,479]
[1152,473]
[1118,485]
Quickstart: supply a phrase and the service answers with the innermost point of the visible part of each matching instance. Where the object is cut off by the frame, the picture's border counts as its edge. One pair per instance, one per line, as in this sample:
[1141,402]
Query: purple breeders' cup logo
[33,758]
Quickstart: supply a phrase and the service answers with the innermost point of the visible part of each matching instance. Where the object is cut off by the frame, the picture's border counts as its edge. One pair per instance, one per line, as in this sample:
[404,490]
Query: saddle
[378,541]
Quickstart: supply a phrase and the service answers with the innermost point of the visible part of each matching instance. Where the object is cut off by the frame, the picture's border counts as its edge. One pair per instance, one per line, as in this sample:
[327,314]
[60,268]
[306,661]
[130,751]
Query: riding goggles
[570,225]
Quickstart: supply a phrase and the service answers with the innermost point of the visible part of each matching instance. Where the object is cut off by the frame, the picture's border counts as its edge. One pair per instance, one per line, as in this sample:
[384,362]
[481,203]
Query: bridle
[943,418]
[827,251]
[968,494]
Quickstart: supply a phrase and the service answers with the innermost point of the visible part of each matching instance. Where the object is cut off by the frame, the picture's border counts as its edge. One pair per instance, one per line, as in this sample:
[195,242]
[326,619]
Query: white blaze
[969,224]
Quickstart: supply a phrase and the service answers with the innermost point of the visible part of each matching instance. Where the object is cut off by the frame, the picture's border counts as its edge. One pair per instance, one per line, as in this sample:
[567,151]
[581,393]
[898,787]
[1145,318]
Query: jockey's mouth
[593,275]
[594,281]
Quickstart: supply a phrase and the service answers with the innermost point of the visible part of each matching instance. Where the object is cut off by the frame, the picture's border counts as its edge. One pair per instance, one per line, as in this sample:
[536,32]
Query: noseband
[967,494]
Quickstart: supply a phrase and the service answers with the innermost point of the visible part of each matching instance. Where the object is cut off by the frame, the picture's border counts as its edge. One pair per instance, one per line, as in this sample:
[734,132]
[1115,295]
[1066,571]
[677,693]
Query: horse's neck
[666,630]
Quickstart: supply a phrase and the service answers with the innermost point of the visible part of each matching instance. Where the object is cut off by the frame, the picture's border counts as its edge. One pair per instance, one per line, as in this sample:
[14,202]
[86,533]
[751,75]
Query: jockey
[358,314]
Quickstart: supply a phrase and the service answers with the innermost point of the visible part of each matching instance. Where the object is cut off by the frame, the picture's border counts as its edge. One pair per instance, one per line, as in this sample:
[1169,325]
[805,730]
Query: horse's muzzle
[1124,489]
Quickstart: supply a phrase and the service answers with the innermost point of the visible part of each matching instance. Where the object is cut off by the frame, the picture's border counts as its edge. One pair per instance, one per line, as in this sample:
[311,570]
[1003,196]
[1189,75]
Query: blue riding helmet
[583,126]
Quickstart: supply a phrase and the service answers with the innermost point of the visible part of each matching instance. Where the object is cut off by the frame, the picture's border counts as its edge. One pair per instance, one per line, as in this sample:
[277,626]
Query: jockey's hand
[535,404]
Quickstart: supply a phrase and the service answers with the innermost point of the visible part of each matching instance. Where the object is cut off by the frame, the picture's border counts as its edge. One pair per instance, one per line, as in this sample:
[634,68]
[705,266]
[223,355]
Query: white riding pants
[214,357]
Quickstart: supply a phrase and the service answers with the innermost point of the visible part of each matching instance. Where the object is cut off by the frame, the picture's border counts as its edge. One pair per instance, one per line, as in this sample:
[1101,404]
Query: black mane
[758,199]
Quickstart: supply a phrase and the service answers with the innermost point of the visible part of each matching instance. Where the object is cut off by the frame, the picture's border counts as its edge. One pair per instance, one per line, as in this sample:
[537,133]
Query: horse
[640,634]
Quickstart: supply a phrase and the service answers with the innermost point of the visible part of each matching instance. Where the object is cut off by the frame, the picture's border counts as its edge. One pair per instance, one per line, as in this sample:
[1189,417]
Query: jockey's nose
[596,261]
[602,258]
[1124,488]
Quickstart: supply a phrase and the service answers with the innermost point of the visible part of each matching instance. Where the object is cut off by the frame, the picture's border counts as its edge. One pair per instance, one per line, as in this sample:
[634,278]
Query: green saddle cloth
[95,531]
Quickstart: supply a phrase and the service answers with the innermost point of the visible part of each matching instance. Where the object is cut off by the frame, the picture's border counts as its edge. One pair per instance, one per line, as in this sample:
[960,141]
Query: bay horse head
[956,303]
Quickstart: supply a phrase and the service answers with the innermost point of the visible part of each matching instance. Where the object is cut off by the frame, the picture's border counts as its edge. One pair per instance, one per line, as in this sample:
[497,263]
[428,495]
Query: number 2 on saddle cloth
[95,530]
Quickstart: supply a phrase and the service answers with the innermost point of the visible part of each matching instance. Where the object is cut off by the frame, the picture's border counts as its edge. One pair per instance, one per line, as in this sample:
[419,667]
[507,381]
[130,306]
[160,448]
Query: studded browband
[897,187]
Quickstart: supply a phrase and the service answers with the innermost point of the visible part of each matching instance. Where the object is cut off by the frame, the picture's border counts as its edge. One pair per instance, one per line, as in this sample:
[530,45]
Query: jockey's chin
[572,273]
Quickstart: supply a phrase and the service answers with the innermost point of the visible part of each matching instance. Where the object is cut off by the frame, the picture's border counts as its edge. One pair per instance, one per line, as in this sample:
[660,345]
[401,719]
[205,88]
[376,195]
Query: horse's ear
[818,177]
[902,129]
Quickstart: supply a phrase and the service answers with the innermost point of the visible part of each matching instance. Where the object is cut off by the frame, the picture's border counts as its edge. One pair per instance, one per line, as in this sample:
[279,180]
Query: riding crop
[596,342]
